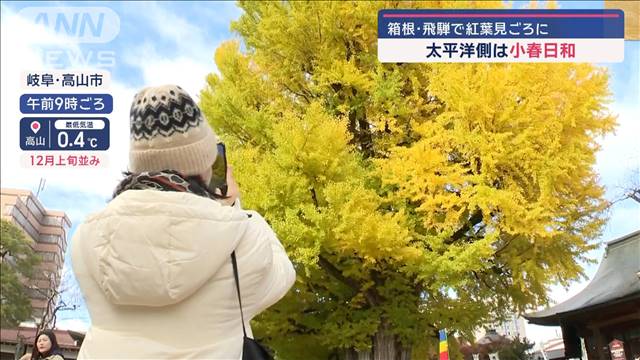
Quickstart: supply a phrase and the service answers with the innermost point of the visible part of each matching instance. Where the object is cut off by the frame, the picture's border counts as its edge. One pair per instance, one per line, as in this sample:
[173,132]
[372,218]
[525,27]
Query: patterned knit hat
[168,131]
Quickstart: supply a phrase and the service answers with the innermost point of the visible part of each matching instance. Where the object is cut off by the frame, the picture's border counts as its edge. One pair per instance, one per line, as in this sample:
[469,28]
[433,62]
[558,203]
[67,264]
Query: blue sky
[174,42]
[164,29]
[151,37]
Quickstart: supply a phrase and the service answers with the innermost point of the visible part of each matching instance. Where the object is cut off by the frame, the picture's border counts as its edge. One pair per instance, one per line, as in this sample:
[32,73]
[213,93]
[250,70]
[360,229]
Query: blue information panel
[483,36]
[500,24]
[59,133]
[66,104]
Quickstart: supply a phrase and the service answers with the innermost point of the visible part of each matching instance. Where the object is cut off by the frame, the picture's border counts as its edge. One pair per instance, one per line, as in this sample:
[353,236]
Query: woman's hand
[233,191]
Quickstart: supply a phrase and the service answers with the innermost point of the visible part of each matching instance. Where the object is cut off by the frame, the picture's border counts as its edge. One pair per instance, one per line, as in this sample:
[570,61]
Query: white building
[512,327]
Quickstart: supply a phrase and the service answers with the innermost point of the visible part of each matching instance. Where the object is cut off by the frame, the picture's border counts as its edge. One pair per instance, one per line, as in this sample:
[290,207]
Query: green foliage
[422,196]
[517,349]
[17,265]
[507,349]
[429,348]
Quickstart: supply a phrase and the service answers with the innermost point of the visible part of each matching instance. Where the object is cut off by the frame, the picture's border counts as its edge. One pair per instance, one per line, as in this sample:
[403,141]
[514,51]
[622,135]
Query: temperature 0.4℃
[79,141]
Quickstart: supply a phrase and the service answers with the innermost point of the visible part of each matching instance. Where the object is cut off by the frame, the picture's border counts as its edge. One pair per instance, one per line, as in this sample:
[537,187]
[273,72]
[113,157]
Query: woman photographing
[155,266]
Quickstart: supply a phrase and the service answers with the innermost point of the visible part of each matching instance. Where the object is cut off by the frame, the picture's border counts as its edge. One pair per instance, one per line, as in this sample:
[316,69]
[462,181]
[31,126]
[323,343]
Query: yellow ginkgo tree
[411,197]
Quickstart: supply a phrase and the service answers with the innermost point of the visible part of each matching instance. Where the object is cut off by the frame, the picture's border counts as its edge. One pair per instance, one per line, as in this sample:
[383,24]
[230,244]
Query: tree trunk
[384,344]
[387,347]
[405,353]
[352,354]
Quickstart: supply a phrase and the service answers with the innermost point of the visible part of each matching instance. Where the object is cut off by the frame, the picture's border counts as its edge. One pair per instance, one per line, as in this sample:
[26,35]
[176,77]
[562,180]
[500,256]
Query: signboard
[443,346]
[445,35]
[617,350]
[66,104]
[57,133]
[62,129]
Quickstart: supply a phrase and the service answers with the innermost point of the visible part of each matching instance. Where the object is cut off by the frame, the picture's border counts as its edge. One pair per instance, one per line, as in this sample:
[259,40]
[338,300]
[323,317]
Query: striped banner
[444,348]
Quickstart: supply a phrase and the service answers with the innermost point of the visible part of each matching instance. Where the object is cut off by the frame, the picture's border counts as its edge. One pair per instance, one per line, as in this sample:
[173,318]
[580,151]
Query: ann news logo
[82,24]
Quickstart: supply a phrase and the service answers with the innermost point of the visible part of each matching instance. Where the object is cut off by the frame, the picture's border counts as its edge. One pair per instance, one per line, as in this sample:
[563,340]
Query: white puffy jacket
[155,271]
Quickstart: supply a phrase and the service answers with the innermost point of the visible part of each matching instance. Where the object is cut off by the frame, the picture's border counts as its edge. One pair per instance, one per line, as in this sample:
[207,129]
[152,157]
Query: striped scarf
[165,180]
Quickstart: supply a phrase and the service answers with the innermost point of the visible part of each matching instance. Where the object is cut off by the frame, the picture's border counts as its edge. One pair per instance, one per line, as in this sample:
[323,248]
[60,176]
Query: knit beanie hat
[168,132]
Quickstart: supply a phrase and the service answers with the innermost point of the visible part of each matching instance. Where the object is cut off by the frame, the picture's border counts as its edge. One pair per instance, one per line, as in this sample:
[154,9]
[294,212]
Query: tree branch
[474,220]
[503,247]
[634,194]
[327,266]
[336,273]
[314,197]
[482,279]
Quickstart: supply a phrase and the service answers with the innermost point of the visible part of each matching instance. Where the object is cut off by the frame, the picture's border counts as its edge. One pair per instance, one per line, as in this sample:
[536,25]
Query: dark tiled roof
[617,280]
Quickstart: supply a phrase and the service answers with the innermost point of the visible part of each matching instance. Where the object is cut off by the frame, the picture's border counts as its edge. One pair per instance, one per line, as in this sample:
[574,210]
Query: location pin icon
[35,126]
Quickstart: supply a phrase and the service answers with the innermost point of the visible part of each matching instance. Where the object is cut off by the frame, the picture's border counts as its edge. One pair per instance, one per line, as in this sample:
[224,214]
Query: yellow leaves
[314,145]
[302,231]
[424,176]
[227,58]
[509,141]
[234,65]
[361,228]
[242,103]
[346,74]
[458,260]
[479,190]
[516,214]
[265,185]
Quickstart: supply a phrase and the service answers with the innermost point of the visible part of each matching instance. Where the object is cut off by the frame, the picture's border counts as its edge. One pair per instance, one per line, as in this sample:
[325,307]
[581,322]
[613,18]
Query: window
[25,224]
[51,239]
[52,221]
[41,274]
[37,313]
[40,294]
[33,208]
[47,256]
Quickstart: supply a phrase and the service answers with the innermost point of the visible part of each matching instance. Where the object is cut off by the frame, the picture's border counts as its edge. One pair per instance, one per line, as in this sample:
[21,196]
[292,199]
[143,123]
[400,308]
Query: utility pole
[40,186]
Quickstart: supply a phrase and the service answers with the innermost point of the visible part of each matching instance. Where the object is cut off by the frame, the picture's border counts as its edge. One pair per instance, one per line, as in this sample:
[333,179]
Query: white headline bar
[500,50]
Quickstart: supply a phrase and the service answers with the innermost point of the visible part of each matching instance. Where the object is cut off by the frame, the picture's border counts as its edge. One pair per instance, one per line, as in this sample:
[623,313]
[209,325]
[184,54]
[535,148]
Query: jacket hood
[155,248]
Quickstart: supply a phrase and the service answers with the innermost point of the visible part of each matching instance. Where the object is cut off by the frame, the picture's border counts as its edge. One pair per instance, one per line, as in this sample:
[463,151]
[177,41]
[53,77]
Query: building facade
[607,311]
[513,326]
[550,350]
[48,230]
